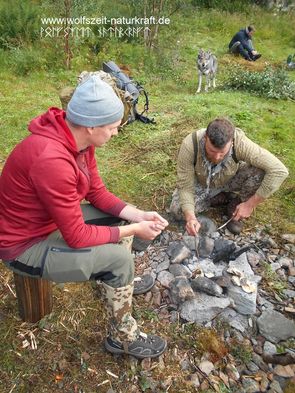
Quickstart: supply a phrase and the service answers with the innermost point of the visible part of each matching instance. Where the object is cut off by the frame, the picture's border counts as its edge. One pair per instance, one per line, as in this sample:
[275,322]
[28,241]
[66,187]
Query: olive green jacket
[245,151]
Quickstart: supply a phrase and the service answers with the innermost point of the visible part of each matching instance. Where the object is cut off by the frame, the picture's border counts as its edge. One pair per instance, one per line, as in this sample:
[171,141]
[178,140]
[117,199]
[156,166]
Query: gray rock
[235,320]
[181,290]
[165,278]
[185,365]
[192,242]
[205,248]
[253,258]
[204,284]
[206,366]
[266,305]
[289,293]
[163,265]
[275,266]
[241,263]
[237,335]
[289,237]
[250,385]
[269,348]
[257,359]
[180,270]
[282,274]
[209,268]
[285,262]
[269,242]
[203,308]
[291,280]
[244,303]
[215,235]
[223,250]
[275,327]
[207,225]
[251,366]
[194,380]
[275,387]
[178,251]
[223,281]
[174,316]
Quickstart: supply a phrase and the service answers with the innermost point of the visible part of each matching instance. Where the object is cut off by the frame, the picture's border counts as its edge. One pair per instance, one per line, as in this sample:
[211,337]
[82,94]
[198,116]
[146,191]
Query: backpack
[126,89]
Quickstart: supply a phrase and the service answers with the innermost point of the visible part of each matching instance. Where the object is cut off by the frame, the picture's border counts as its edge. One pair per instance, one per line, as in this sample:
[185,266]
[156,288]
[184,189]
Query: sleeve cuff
[117,208]
[114,234]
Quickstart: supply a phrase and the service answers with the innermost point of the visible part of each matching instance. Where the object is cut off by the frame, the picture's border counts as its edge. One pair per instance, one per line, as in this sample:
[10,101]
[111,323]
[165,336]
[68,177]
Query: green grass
[140,166]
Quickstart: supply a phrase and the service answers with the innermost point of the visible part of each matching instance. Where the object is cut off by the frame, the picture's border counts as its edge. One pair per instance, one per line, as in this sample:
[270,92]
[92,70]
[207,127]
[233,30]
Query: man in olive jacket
[220,165]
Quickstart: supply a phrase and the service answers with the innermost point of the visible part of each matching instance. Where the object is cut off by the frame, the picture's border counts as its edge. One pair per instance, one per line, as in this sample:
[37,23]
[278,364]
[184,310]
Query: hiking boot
[144,346]
[256,57]
[143,284]
[220,199]
[234,226]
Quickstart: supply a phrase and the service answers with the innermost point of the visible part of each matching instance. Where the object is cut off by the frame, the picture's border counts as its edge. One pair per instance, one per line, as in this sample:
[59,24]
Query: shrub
[270,83]
[225,5]
[18,23]
[25,60]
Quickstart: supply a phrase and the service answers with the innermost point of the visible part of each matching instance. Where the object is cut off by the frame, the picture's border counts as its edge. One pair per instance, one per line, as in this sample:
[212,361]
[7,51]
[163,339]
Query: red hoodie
[42,184]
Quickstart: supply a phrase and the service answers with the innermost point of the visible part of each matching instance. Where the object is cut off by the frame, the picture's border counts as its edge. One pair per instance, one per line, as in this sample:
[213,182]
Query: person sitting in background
[242,43]
[46,232]
[221,166]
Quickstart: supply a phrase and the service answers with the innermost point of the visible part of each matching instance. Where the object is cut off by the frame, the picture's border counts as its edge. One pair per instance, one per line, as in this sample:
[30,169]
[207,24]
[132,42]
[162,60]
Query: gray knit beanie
[94,103]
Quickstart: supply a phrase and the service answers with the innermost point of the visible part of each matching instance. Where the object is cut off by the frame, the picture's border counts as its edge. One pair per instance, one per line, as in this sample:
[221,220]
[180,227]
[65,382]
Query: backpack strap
[195,143]
[140,116]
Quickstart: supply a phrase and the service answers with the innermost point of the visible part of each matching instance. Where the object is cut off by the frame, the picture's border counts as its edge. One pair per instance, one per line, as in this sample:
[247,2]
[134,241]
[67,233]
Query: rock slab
[275,327]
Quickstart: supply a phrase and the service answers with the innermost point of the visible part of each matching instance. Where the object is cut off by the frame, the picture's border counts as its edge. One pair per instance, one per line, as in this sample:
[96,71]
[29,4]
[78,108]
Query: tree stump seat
[34,296]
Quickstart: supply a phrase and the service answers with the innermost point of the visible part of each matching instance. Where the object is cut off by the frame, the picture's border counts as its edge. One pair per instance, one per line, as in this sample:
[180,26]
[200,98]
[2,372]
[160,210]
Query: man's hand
[153,216]
[245,209]
[192,224]
[254,52]
[131,213]
[192,227]
[146,230]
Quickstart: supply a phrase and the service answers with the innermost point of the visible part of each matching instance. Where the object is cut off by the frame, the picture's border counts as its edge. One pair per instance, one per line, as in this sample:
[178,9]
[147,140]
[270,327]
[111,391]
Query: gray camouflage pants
[244,183]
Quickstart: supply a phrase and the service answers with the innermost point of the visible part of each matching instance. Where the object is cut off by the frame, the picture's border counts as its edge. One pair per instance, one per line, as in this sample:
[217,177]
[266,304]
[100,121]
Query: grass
[140,166]
[272,281]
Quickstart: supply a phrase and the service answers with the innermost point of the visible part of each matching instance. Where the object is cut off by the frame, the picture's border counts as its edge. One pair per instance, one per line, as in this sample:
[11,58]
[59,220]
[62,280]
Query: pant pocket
[67,265]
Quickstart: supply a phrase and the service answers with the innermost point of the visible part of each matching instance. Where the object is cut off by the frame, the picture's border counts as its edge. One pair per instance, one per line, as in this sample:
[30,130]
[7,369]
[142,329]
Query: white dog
[207,65]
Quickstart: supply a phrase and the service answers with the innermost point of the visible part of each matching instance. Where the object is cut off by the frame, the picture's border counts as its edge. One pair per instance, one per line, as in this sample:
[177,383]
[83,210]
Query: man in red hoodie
[46,232]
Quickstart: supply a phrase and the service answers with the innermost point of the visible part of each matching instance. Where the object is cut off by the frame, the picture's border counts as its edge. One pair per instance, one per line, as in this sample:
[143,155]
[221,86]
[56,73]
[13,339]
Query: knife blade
[223,225]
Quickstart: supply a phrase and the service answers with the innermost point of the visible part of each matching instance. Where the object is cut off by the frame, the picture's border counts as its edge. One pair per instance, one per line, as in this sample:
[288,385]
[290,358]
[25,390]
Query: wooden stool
[34,296]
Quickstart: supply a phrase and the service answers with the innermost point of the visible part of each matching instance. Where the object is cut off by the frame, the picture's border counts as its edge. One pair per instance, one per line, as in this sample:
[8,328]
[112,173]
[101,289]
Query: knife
[223,225]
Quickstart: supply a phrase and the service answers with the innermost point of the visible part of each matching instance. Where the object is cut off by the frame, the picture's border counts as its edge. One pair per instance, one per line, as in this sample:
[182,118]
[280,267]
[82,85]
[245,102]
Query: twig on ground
[203,375]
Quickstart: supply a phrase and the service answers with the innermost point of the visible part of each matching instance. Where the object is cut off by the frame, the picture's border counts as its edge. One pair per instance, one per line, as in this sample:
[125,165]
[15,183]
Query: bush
[18,24]
[23,61]
[225,5]
[270,83]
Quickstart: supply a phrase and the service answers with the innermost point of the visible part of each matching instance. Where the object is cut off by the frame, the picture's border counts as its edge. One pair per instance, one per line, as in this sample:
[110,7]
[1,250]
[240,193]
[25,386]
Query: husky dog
[207,65]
